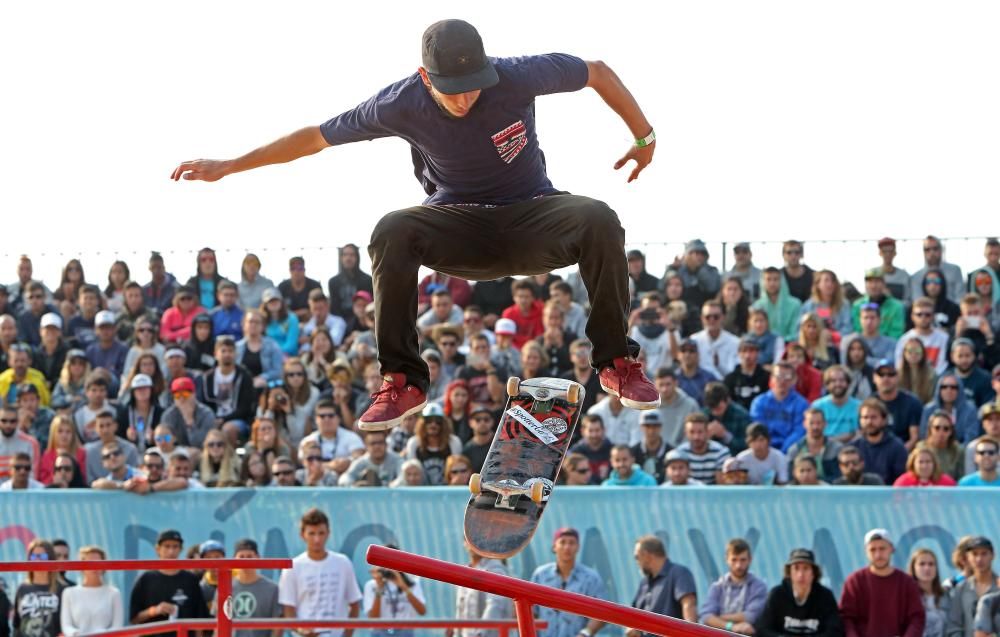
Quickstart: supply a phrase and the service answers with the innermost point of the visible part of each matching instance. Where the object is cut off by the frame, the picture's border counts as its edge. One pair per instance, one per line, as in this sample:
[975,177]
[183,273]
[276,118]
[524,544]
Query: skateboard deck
[519,474]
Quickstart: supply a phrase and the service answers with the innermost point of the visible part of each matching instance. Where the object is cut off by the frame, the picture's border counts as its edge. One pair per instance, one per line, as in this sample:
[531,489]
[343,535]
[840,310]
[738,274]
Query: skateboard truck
[507,491]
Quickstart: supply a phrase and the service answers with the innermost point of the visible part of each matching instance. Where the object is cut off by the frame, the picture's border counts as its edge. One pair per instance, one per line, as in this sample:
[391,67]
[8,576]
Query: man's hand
[201,170]
[642,157]
[716,430]
[744,628]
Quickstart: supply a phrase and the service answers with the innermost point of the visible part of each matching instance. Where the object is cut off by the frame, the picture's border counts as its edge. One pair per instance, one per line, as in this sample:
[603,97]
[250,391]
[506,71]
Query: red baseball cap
[182,384]
[565,530]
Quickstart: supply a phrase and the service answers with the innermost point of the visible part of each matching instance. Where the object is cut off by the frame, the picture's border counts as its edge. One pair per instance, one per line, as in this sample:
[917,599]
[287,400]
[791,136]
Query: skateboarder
[491,210]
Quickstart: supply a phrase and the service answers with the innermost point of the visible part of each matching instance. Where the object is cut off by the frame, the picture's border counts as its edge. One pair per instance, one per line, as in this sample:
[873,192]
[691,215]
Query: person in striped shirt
[705,456]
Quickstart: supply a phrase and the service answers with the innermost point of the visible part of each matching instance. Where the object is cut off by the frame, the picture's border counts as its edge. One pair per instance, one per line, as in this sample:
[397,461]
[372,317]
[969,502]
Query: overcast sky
[818,120]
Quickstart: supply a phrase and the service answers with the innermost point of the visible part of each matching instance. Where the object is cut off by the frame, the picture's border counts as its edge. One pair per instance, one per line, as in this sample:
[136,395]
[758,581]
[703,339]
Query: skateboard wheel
[474,484]
[573,394]
[537,491]
[513,386]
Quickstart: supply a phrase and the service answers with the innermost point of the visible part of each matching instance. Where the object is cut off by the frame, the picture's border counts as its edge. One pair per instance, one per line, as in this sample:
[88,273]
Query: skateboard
[517,478]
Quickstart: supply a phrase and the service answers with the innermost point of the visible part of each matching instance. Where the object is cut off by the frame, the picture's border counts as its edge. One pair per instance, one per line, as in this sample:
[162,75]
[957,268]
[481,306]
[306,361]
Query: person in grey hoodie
[348,280]
[701,280]
[949,397]
[934,259]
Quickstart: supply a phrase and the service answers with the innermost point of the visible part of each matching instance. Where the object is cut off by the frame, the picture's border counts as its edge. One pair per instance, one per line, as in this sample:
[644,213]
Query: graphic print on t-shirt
[510,141]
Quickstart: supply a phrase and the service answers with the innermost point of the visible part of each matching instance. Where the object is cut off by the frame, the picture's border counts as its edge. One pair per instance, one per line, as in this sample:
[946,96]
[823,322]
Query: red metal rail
[525,594]
[184,626]
[223,624]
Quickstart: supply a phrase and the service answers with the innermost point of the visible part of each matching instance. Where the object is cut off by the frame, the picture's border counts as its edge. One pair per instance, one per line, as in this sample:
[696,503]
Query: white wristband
[645,141]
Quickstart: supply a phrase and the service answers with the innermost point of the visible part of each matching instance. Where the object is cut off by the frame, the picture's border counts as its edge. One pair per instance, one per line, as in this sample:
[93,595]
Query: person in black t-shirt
[476,449]
[749,379]
[295,289]
[798,276]
[37,600]
[596,447]
[163,595]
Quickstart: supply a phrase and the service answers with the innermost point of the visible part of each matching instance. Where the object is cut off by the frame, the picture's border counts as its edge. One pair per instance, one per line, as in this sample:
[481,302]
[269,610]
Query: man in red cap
[566,574]
[491,210]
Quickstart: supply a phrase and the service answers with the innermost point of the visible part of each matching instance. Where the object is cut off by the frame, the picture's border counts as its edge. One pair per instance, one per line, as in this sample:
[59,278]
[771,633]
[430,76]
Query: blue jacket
[271,357]
[227,321]
[784,420]
[967,427]
[286,334]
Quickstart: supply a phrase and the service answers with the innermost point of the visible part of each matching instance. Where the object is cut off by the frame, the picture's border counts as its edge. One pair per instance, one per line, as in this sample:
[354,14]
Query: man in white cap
[503,353]
[107,351]
[880,600]
[50,355]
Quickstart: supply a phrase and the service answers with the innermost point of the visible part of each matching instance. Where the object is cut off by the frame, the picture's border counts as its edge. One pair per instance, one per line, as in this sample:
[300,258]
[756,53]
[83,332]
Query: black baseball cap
[168,536]
[454,58]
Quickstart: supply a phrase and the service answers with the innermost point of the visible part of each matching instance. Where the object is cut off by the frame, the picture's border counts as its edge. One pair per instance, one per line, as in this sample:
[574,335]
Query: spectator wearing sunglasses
[377,460]
[13,442]
[187,420]
[935,339]
[314,472]
[117,470]
[20,477]
[37,600]
[154,478]
[986,450]
[283,472]
[949,397]
[66,473]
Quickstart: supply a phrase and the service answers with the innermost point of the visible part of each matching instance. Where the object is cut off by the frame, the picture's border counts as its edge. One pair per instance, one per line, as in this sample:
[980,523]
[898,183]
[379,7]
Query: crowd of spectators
[877,600]
[766,376]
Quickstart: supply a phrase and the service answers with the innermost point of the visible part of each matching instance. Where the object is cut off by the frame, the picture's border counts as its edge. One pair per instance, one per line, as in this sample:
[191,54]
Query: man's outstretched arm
[305,141]
[608,85]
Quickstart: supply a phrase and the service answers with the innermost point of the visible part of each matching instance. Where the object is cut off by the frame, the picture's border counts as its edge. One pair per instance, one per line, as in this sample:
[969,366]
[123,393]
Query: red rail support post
[224,603]
[527,593]
[525,618]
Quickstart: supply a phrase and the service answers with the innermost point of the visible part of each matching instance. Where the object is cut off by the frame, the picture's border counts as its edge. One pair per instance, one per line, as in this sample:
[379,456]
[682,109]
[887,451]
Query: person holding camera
[393,595]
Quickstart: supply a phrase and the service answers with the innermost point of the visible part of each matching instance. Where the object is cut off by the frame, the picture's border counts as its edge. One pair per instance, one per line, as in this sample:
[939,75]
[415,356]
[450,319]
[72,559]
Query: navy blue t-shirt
[491,156]
[904,411]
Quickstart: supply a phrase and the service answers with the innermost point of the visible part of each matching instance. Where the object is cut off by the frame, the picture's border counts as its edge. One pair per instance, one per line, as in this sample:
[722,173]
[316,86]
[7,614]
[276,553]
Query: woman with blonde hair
[916,375]
[827,302]
[44,588]
[252,284]
[62,440]
[534,360]
[91,606]
[815,338]
[944,445]
[302,399]
[924,569]
[266,440]
[220,466]
[69,388]
[922,470]
[411,474]
[320,357]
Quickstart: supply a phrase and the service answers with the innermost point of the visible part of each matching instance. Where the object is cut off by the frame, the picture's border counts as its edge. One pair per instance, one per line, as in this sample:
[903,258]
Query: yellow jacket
[32,377]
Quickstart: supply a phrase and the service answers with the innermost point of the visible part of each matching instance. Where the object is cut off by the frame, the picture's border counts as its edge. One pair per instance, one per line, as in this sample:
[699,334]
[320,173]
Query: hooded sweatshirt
[963,412]
[342,286]
[782,616]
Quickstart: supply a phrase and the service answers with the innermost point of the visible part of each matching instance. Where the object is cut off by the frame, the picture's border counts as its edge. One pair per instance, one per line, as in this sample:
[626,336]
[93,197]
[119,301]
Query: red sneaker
[626,380]
[390,404]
